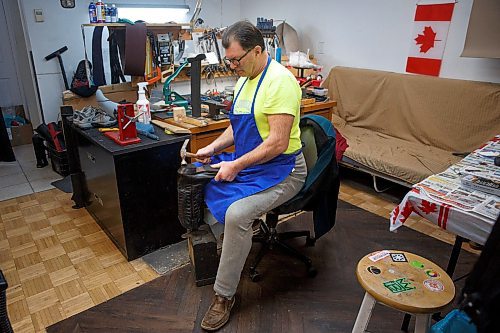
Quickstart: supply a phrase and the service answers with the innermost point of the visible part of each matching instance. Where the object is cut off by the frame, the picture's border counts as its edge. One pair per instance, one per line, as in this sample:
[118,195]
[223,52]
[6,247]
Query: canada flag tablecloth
[454,201]
[466,224]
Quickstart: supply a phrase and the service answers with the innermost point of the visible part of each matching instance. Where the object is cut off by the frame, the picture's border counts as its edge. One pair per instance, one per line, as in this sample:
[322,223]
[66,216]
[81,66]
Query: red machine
[127,133]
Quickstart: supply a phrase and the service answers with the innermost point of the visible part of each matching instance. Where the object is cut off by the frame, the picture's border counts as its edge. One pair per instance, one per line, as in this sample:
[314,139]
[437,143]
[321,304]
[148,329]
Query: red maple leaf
[426,40]
[407,209]
[428,207]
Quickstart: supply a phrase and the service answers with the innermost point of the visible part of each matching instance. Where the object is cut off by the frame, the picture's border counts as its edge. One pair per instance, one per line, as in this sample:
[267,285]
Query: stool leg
[423,323]
[364,314]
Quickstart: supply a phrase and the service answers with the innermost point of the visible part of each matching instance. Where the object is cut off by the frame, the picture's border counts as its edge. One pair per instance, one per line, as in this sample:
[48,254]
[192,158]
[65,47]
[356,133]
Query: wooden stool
[405,282]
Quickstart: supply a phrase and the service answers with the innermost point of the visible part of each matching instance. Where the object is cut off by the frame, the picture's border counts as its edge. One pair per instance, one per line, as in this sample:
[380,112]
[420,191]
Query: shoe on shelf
[83,118]
[102,119]
[218,313]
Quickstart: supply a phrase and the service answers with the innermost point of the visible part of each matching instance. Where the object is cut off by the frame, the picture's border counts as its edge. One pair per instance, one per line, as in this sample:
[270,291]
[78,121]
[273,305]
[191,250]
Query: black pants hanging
[6,152]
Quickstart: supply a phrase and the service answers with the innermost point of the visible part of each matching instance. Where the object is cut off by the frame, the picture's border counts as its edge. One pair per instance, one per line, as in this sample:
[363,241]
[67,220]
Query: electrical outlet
[321,47]
[38,15]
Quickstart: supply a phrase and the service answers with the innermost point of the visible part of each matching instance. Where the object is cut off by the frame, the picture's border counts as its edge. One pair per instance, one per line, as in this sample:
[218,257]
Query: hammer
[185,153]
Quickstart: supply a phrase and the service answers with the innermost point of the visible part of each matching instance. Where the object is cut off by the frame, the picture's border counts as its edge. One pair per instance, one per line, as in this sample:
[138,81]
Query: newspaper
[470,184]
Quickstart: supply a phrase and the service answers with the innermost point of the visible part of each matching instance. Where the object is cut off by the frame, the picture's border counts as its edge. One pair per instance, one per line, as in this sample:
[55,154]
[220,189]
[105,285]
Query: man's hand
[203,155]
[227,171]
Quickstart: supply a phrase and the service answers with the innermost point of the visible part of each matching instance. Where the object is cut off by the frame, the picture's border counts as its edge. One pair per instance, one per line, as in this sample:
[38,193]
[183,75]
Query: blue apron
[254,179]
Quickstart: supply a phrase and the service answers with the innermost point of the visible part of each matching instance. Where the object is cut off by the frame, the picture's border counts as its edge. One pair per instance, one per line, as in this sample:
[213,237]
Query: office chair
[319,194]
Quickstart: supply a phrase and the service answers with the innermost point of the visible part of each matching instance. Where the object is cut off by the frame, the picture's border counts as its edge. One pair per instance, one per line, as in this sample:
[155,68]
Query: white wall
[371,34]
[62,27]
[357,33]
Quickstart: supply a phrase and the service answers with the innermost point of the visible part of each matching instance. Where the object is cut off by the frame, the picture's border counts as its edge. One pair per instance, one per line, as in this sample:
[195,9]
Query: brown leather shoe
[218,313]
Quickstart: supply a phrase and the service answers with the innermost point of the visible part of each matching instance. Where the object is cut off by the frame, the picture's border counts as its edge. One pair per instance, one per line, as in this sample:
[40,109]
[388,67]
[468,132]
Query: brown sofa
[406,127]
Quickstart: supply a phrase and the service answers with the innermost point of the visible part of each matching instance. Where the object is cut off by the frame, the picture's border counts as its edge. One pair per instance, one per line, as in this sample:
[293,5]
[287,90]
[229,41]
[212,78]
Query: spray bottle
[143,103]
[100,13]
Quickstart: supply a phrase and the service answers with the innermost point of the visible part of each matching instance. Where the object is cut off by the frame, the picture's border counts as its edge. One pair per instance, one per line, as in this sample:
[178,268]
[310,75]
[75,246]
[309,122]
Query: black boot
[40,154]
[191,181]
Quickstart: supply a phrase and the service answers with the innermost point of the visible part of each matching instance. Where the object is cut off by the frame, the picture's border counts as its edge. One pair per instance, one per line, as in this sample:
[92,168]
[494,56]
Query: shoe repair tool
[214,110]
[132,119]
[173,98]
[58,55]
[127,132]
[108,129]
[183,152]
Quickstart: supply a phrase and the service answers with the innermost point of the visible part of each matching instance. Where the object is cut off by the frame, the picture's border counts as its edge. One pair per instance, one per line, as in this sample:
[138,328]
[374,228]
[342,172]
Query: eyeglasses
[234,61]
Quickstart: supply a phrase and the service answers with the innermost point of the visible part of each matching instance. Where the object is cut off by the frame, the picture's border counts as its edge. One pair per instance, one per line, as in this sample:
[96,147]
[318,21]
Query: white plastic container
[143,104]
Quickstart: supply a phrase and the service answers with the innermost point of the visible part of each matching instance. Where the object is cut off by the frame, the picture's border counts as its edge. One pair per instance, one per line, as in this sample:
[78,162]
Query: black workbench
[133,189]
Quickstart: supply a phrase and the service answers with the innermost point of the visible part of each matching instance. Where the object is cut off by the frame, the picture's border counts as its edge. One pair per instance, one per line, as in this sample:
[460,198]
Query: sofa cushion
[407,161]
[452,115]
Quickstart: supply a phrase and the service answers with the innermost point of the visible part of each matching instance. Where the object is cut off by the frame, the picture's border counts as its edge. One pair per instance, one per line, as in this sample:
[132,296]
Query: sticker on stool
[379,255]
[398,257]
[432,273]
[417,264]
[433,285]
[398,285]
[374,270]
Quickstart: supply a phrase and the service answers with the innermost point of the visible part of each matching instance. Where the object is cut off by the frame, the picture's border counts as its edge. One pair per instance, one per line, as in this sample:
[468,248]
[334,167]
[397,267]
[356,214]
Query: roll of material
[288,38]
[105,104]
[135,49]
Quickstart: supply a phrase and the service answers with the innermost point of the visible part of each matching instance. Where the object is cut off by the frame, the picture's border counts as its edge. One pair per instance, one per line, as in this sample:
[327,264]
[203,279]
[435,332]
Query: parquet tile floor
[58,261]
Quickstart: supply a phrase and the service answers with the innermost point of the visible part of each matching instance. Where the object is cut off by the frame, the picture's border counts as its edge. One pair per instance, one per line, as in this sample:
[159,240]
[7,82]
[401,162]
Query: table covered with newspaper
[464,199]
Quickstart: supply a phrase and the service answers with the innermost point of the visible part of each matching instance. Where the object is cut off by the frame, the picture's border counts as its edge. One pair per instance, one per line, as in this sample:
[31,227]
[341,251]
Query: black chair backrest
[318,139]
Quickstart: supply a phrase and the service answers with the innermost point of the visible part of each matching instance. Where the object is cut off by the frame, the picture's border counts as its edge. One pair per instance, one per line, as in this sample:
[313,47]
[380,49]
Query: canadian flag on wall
[430,31]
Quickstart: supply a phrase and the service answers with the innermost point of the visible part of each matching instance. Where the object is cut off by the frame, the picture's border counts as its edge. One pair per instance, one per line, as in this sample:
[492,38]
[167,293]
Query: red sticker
[434,285]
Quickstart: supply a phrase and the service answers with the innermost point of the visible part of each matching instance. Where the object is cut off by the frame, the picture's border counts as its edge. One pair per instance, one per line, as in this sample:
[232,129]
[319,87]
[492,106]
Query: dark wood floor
[286,300]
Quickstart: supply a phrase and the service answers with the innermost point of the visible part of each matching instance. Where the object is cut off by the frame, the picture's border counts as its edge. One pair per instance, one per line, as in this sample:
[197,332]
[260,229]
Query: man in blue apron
[267,167]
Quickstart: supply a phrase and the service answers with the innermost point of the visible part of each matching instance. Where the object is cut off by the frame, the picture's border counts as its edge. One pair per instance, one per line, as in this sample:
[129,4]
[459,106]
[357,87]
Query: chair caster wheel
[255,276]
[312,272]
[310,241]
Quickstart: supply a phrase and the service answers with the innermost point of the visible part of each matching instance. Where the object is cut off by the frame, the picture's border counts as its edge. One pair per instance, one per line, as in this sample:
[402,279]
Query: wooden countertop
[214,125]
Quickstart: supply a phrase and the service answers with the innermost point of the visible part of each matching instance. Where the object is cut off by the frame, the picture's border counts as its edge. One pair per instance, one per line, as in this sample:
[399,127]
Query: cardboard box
[18,135]
[21,135]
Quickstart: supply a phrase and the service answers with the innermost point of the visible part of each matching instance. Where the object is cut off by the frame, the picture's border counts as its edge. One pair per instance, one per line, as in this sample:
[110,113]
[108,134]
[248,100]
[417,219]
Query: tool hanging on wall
[152,67]
[166,49]
[208,43]
[181,46]
[196,13]
[59,58]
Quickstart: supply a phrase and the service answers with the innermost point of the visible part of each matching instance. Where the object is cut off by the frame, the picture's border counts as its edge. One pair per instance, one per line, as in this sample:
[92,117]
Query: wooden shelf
[179,29]
[148,25]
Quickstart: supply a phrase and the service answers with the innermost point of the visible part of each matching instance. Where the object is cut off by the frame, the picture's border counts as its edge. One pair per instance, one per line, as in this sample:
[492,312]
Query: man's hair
[244,33]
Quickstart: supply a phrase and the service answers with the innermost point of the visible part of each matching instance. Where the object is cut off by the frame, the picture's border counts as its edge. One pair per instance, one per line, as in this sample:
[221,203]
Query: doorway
[10,90]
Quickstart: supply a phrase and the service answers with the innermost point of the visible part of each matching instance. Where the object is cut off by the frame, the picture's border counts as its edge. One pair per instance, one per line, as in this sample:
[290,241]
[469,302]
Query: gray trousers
[238,230]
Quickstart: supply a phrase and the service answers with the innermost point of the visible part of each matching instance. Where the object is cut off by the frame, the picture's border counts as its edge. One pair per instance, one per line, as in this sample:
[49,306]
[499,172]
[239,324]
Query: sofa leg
[376,187]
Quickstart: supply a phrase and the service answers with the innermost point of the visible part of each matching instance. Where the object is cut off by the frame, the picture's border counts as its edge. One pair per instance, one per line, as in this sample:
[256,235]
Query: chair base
[270,238]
